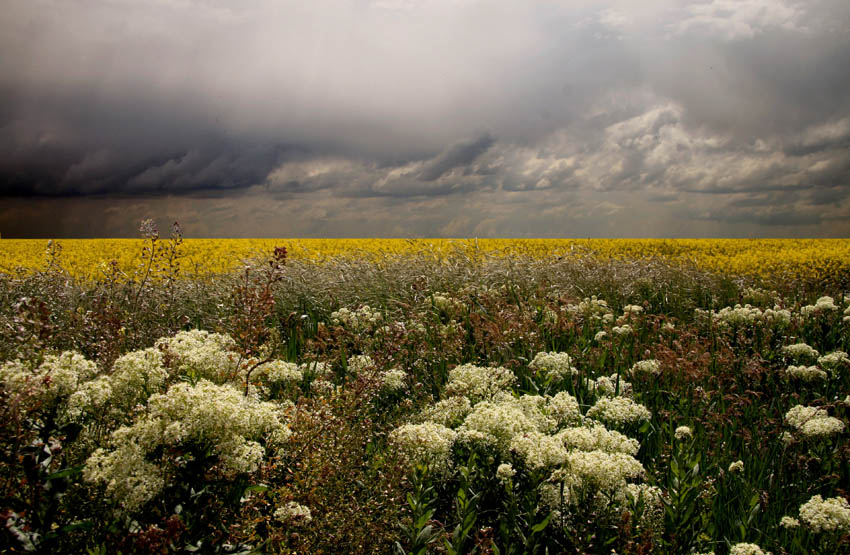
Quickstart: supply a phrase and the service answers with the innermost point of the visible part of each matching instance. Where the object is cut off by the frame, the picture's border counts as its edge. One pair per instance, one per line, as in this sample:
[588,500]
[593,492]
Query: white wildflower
[280,372]
[393,379]
[357,320]
[746,549]
[479,382]
[596,437]
[294,514]
[219,417]
[505,473]
[623,330]
[683,432]
[823,304]
[499,423]
[805,373]
[620,411]
[737,466]
[789,522]
[649,367]
[557,366]
[539,450]
[800,351]
[563,409]
[200,354]
[449,412]
[834,361]
[812,421]
[426,443]
[610,386]
[826,515]
[600,470]
[359,363]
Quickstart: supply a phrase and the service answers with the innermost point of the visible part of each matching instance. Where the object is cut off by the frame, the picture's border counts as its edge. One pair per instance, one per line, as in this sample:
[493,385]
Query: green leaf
[540,526]
[65,472]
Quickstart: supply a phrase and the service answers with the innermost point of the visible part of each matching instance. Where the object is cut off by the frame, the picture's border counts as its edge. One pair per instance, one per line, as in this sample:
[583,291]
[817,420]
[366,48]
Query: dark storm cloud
[458,155]
[359,109]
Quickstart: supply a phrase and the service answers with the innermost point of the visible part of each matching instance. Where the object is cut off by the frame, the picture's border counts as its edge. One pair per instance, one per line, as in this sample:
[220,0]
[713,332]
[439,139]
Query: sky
[425,118]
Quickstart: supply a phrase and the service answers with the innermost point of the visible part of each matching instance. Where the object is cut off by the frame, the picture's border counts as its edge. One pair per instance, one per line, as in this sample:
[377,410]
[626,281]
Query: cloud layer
[426,117]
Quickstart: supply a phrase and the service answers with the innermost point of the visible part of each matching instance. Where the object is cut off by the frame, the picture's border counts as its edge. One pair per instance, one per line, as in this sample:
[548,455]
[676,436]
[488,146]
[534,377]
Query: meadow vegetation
[407,401]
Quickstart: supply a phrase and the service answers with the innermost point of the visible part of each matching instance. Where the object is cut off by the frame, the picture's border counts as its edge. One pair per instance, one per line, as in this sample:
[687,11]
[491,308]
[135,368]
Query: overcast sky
[412,118]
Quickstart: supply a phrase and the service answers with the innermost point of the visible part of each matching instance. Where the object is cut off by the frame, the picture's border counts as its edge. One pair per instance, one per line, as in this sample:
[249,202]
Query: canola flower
[782,258]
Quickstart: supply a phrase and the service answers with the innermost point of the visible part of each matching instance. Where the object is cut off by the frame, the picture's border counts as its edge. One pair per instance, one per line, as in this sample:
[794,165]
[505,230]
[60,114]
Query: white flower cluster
[135,376]
[591,308]
[683,432]
[393,380]
[529,433]
[427,443]
[356,320]
[218,417]
[496,424]
[746,549]
[822,305]
[747,315]
[812,421]
[800,351]
[618,411]
[280,372]
[632,309]
[359,363]
[316,368]
[623,330]
[789,522]
[557,366]
[599,470]
[609,386]
[479,382]
[737,466]
[826,515]
[805,373]
[505,473]
[200,354]
[449,412]
[834,361]
[57,377]
[649,367]
[293,513]
[539,450]
[446,303]
[596,437]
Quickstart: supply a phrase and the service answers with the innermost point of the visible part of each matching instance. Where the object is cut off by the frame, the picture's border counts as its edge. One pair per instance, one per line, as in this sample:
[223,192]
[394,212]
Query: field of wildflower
[412,397]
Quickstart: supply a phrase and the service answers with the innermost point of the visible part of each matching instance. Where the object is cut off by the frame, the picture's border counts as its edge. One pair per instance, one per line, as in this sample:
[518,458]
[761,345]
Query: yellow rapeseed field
[90,258]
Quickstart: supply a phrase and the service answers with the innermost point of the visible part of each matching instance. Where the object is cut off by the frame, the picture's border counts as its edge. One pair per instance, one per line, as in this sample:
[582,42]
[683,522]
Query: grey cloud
[363,106]
[458,155]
